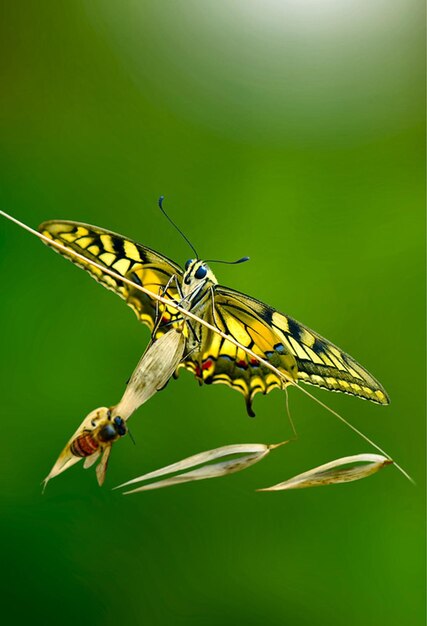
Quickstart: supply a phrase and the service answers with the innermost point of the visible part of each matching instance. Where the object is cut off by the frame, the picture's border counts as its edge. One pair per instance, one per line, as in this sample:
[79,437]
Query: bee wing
[90,460]
[102,465]
[65,460]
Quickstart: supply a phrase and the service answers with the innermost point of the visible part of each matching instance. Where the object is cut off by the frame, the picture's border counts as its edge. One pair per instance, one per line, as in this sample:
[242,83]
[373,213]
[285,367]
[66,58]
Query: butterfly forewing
[136,262]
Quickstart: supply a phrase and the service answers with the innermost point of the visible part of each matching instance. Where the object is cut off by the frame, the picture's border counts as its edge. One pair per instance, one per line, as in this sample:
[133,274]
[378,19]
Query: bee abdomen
[84,445]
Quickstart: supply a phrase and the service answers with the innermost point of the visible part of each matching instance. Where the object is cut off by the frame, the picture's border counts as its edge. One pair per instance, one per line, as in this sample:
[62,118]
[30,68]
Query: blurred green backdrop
[289,130]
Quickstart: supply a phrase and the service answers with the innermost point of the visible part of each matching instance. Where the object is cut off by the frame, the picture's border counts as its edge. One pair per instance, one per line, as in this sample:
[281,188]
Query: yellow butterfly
[295,350]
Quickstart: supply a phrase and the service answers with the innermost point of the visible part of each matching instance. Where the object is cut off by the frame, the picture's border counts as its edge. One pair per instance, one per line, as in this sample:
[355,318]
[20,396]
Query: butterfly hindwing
[220,361]
[138,263]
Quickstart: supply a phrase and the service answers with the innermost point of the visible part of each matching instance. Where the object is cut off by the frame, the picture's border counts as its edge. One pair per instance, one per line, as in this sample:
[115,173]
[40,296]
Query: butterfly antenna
[242,260]
[160,203]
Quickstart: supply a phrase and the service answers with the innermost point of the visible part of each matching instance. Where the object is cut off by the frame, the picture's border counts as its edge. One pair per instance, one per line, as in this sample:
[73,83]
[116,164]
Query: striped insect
[89,441]
[98,432]
[92,441]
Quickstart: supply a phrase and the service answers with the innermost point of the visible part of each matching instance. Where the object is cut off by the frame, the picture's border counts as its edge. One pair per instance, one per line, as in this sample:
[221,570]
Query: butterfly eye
[189,262]
[201,272]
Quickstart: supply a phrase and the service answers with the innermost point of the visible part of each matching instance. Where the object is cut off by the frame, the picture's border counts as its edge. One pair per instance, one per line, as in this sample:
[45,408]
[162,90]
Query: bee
[90,440]
[94,438]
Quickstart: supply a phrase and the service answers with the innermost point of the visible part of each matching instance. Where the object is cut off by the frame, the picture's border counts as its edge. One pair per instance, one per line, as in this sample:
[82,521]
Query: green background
[291,131]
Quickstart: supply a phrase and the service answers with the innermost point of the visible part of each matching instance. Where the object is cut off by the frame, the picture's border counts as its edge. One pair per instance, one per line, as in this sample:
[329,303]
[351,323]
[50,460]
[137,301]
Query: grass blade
[335,472]
[247,455]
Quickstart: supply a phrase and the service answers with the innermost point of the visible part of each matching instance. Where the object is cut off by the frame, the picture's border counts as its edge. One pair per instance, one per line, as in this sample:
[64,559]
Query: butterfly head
[197,273]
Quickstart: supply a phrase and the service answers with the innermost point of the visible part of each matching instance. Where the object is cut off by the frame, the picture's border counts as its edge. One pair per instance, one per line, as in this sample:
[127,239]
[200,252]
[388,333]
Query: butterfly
[299,353]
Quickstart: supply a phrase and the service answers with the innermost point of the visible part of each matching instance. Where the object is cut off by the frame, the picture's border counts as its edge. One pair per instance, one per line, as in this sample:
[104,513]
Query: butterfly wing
[220,361]
[140,264]
[294,349]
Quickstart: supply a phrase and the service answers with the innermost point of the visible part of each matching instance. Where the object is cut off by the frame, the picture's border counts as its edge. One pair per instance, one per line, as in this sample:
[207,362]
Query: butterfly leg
[190,296]
[172,322]
[190,352]
[177,285]
[213,309]
[162,292]
[196,338]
